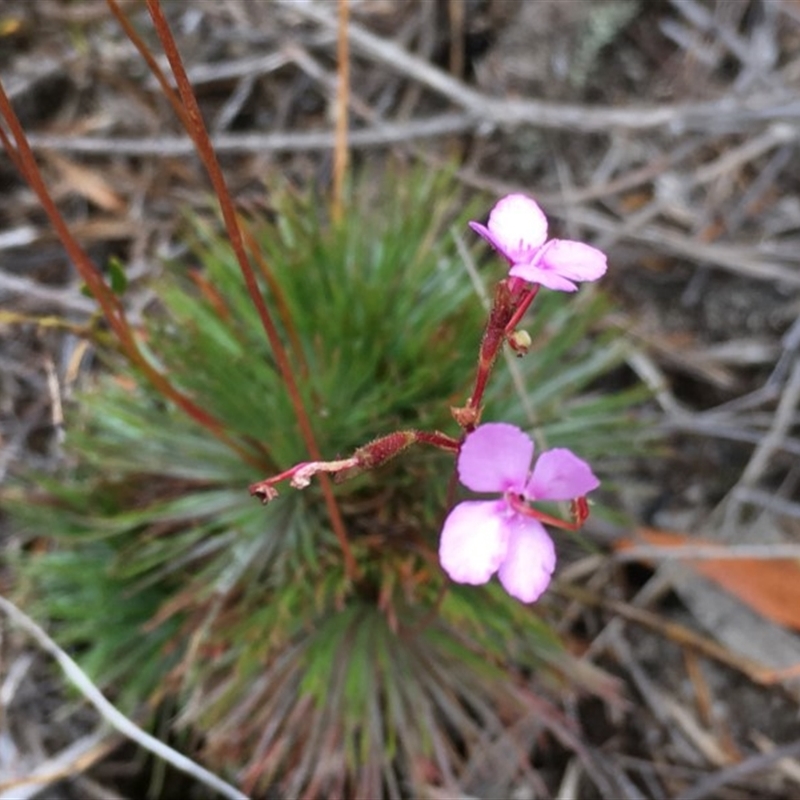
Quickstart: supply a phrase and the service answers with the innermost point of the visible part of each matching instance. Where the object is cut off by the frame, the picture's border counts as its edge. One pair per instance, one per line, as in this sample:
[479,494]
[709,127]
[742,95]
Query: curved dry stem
[196,128]
[278,295]
[152,64]
[115,718]
[22,157]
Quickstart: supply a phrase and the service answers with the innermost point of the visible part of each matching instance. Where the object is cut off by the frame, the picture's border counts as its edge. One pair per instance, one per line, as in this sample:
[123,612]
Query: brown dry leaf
[105,228]
[88,183]
[769,587]
[635,201]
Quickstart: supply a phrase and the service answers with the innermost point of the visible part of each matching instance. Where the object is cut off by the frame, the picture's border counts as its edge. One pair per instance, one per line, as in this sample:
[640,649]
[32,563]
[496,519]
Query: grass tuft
[152,560]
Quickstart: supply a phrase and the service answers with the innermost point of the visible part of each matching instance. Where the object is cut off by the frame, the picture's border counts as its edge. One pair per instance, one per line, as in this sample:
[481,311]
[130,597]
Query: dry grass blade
[709,787]
[78,678]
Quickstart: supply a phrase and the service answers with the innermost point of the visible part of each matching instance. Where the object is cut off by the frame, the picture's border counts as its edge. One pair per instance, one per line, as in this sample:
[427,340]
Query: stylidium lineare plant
[362,636]
[481,538]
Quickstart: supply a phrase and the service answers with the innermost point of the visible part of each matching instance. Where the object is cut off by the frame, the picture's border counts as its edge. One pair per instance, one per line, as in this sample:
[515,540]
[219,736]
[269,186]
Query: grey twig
[116,719]
[710,785]
[289,141]
[727,112]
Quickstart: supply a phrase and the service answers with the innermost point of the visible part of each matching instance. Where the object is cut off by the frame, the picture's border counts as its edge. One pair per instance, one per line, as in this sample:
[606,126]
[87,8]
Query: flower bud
[520,342]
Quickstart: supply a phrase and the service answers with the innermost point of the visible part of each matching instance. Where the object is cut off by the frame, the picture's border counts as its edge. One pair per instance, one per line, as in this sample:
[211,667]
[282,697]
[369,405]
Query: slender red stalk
[195,127]
[276,292]
[579,509]
[512,298]
[149,59]
[113,310]
[371,455]
[522,307]
[493,336]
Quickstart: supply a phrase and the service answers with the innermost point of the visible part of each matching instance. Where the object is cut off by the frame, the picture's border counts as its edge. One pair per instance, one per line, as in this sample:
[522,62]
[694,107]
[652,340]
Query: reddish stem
[524,305]
[276,291]
[195,126]
[370,456]
[579,510]
[512,298]
[151,62]
[22,157]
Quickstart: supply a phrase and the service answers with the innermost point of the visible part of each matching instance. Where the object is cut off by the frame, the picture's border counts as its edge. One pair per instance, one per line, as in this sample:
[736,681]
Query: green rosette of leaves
[173,586]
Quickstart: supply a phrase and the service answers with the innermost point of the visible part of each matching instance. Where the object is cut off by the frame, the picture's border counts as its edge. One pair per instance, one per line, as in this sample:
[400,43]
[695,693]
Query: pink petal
[483,231]
[530,560]
[495,457]
[574,260]
[533,274]
[517,227]
[474,540]
[560,475]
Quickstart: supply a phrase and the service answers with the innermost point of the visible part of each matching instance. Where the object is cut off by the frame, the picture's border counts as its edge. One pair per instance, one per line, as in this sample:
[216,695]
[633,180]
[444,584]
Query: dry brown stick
[747,261]
[710,552]
[116,719]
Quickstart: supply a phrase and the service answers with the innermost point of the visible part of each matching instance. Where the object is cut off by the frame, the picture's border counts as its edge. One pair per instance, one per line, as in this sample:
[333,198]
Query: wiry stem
[512,298]
[509,295]
[22,157]
[579,510]
[195,127]
[151,62]
[276,292]
[371,455]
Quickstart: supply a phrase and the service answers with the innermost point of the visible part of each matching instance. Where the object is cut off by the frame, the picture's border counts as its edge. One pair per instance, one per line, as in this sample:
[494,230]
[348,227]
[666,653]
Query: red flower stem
[509,294]
[193,121]
[440,440]
[512,298]
[371,455]
[149,59]
[113,311]
[580,512]
[276,292]
[524,305]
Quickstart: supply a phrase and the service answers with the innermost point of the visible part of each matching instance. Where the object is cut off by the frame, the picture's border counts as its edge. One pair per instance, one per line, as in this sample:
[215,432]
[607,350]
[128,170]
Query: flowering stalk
[512,298]
[193,122]
[21,155]
[503,536]
[371,455]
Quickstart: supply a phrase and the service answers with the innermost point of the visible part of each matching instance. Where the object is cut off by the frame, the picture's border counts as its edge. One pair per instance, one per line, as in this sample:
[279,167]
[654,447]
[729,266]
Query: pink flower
[517,229]
[481,537]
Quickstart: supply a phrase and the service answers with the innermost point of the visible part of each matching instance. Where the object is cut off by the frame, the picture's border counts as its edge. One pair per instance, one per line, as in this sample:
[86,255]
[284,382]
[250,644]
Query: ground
[663,132]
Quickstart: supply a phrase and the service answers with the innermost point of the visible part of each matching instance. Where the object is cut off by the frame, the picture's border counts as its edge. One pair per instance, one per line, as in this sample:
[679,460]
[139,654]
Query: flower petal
[574,260]
[483,231]
[560,475]
[517,227]
[533,274]
[530,560]
[474,540]
[495,457]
